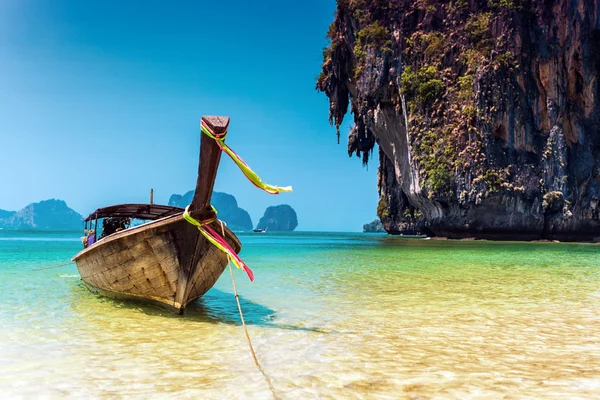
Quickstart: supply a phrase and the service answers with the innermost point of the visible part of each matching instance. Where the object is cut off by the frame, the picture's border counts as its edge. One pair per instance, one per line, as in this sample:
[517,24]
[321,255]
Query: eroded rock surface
[485,111]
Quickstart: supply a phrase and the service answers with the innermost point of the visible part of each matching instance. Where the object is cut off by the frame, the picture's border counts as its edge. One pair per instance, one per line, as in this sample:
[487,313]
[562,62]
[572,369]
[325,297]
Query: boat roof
[139,211]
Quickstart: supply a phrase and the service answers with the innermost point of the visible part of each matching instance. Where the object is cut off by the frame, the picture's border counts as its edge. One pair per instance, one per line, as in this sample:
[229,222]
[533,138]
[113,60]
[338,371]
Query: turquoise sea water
[348,316]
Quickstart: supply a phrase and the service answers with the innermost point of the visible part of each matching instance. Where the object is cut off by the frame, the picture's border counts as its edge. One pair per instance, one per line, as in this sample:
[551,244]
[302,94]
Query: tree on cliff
[486,112]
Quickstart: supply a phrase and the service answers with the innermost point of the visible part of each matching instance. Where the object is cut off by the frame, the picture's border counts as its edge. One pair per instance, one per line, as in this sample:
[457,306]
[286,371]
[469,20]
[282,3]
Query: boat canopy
[139,211]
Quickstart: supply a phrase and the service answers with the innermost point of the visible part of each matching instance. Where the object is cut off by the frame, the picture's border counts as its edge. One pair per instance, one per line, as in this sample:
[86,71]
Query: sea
[330,316]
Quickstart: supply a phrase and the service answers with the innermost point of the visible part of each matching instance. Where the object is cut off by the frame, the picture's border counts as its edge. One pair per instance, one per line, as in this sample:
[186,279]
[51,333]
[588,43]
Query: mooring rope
[219,240]
[262,371]
[55,266]
[237,299]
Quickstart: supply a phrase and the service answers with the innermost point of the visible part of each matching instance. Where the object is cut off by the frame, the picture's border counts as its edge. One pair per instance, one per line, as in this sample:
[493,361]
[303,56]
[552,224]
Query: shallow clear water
[349,316]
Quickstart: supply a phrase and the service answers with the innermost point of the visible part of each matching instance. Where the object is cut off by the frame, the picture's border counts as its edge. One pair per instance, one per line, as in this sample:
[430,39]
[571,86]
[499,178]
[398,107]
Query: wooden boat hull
[166,262]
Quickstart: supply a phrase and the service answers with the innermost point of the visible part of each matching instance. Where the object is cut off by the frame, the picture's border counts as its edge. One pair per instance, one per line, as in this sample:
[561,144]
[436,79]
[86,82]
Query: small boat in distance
[166,260]
[260,230]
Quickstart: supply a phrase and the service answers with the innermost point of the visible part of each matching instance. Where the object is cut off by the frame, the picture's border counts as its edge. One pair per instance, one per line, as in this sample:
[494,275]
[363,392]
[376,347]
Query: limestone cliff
[486,112]
[235,217]
[47,214]
[279,218]
[373,226]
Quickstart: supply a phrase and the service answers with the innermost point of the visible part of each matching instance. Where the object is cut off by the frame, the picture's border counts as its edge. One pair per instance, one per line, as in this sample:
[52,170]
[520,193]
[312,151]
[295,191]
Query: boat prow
[167,260]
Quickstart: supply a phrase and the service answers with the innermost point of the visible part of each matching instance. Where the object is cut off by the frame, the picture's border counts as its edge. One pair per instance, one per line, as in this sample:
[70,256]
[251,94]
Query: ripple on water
[345,316]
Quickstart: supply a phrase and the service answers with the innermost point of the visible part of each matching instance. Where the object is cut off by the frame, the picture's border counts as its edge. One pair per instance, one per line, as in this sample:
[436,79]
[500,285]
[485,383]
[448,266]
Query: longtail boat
[167,260]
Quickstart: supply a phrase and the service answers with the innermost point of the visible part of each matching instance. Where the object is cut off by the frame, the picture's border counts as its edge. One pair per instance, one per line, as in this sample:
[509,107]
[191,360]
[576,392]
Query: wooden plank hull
[167,262]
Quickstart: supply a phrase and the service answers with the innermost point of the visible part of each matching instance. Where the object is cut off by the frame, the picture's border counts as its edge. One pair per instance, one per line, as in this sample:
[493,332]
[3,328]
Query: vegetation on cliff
[438,49]
[483,111]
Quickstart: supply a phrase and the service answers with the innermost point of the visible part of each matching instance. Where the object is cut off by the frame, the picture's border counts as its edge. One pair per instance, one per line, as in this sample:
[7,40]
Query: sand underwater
[331,316]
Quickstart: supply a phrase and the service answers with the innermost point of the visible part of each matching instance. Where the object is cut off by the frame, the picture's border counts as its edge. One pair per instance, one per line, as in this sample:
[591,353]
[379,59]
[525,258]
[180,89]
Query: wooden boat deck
[166,261]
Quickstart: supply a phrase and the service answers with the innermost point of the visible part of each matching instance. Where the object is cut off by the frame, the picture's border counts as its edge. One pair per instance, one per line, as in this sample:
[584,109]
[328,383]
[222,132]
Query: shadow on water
[221,307]
[216,307]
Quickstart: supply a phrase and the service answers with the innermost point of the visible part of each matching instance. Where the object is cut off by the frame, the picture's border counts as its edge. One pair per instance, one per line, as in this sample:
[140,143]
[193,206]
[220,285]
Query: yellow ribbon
[246,170]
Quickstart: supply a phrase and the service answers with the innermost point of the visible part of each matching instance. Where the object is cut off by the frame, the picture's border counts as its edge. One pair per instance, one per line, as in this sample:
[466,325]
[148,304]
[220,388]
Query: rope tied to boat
[55,266]
[217,240]
[237,299]
[246,170]
[204,226]
[260,368]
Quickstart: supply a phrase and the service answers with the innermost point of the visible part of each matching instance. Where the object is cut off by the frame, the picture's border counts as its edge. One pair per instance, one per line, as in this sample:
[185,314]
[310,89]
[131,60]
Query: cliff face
[279,218]
[236,218]
[47,214]
[6,214]
[373,226]
[485,111]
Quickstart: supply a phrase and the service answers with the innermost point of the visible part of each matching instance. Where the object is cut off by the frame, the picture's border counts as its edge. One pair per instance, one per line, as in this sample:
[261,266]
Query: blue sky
[100,101]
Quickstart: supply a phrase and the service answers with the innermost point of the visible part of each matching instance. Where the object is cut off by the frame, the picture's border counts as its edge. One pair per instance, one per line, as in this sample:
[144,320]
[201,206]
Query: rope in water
[55,266]
[219,240]
[237,299]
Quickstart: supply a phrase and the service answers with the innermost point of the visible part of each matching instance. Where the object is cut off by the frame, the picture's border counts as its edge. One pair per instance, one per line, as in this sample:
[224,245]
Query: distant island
[236,218]
[279,218]
[55,214]
[47,214]
[373,226]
